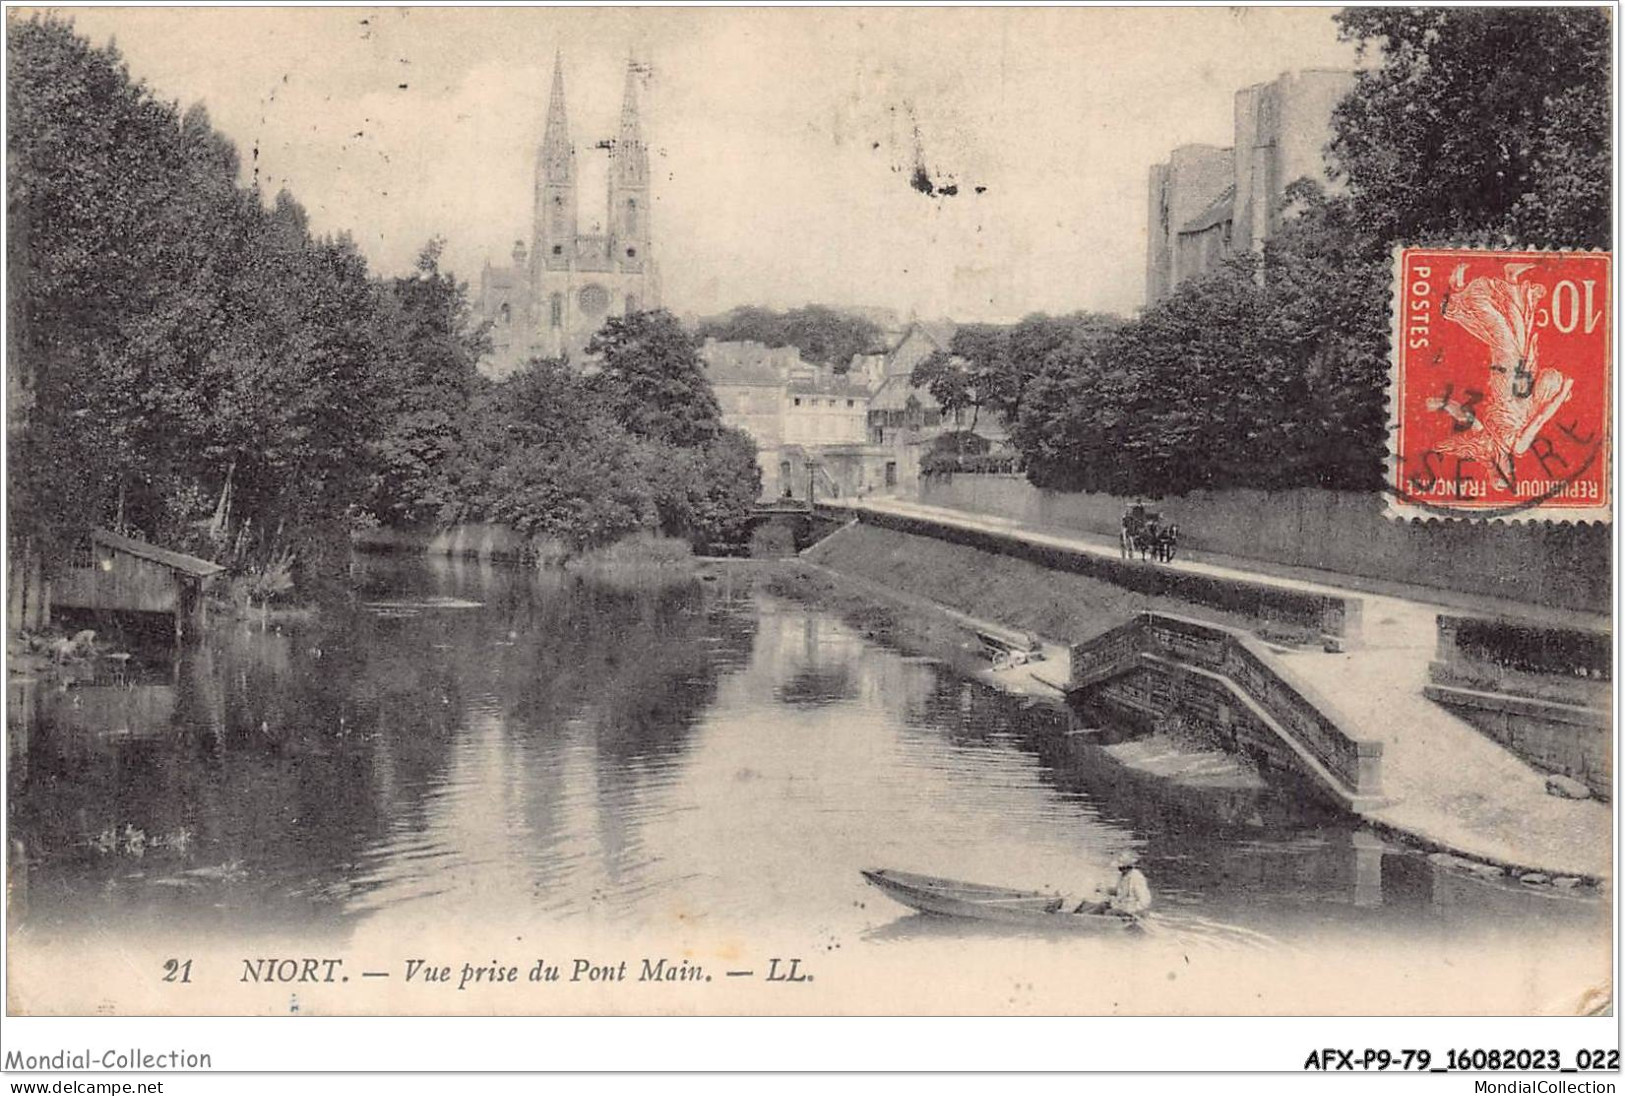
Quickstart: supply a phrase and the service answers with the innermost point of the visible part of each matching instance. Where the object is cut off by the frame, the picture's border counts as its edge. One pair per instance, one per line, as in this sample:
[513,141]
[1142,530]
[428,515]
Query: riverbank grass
[1013,592]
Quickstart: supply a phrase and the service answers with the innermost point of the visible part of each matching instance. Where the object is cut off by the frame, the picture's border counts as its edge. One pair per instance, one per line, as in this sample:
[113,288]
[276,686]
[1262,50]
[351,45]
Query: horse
[1143,539]
[1150,538]
[1167,543]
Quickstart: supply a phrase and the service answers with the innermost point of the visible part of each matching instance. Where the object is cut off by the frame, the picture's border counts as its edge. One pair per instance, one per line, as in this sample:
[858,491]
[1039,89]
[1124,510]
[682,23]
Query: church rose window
[594,300]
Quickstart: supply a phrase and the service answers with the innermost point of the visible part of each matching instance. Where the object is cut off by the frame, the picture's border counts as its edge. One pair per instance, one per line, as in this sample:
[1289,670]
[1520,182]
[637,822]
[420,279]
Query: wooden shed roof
[178,561]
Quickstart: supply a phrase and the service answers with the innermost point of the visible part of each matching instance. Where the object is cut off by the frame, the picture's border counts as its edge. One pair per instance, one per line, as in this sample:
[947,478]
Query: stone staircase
[1157,665]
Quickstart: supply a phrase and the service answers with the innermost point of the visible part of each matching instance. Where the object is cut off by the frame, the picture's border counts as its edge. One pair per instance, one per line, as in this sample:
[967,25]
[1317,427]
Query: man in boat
[1131,896]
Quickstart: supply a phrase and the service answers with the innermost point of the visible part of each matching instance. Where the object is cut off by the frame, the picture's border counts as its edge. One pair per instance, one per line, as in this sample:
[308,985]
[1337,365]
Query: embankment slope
[1013,592]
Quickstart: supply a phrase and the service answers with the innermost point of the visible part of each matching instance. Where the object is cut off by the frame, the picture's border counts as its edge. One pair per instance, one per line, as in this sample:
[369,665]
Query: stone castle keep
[1209,202]
[561,287]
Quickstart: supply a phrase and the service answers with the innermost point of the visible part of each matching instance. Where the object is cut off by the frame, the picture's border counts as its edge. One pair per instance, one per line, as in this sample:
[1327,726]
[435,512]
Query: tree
[828,337]
[991,366]
[540,453]
[704,477]
[1479,121]
[1329,290]
[90,156]
[549,452]
[296,401]
[1479,126]
[169,333]
[429,370]
[951,382]
[1197,389]
[1072,415]
[1035,343]
[824,336]
[651,379]
[706,495]
[1215,386]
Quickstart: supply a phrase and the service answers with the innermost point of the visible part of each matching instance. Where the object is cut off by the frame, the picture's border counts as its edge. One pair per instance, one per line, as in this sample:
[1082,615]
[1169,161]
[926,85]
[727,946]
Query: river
[473,753]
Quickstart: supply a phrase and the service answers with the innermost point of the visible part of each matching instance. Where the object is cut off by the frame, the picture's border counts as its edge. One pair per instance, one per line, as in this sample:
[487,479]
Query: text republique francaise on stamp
[1501,385]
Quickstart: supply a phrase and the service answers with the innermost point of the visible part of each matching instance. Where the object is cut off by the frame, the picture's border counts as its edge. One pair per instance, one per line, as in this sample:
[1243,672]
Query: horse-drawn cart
[1145,532]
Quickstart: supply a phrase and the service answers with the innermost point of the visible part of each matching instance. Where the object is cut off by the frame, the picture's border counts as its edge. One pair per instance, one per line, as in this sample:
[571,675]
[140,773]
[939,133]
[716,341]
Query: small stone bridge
[807,525]
[1158,665]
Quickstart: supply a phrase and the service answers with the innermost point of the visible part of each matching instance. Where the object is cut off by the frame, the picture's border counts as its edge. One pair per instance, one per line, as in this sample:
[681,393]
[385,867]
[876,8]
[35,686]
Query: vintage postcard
[801,511]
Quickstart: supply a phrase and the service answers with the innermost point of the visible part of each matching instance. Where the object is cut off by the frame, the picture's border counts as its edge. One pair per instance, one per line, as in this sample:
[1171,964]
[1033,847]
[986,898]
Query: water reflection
[477,745]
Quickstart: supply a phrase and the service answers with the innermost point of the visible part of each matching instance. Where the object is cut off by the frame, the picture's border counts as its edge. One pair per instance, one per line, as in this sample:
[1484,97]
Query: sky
[784,141]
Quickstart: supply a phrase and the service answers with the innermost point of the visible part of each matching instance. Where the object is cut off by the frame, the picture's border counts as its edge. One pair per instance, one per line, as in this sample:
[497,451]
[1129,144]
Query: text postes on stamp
[1501,385]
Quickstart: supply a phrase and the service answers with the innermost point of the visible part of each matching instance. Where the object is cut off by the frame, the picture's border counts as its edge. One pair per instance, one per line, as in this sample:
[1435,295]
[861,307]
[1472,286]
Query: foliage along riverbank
[192,365]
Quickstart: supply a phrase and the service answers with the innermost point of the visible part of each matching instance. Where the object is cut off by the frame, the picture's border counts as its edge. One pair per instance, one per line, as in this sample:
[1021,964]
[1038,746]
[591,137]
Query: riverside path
[1444,782]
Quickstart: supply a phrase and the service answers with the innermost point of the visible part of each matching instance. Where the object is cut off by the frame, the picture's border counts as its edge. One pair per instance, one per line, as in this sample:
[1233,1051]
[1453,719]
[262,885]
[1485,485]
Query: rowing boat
[951,898]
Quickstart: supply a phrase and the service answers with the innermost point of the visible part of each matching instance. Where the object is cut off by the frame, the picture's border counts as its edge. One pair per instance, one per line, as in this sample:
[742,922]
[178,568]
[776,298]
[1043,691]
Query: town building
[905,419]
[861,432]
[750,382]
[826,408]
[1207,203]
[810,424]
[557,291]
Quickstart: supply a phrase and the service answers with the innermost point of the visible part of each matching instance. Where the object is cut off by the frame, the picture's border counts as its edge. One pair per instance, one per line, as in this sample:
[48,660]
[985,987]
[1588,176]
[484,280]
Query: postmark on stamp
[1501,385]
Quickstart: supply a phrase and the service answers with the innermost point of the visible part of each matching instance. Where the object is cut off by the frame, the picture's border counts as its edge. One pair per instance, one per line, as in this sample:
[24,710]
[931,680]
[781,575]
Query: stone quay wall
[1545,693]
[1557,565]
[1325,615]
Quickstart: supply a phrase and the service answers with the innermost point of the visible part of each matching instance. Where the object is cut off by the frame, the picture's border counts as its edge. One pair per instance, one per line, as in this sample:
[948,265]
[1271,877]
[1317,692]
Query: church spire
[558,155]
[631,166]
[629,181]
[554,217]
[631,126]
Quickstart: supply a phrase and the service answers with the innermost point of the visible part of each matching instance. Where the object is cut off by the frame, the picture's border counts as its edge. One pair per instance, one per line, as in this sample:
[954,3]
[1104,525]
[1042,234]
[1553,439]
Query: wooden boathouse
[123,575]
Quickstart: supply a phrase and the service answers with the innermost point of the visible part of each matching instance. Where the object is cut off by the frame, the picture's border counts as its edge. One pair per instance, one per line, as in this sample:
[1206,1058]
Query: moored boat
[952,898]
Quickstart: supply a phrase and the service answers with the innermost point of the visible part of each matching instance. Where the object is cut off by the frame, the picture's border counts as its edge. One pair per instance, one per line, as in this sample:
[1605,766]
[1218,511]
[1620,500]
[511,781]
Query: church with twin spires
[559,290]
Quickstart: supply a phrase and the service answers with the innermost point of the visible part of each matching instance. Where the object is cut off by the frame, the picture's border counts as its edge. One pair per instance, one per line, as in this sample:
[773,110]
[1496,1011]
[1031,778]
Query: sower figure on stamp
[1522,396]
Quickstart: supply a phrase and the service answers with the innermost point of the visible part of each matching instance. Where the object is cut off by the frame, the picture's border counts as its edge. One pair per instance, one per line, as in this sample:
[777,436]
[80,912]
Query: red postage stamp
[1501,385]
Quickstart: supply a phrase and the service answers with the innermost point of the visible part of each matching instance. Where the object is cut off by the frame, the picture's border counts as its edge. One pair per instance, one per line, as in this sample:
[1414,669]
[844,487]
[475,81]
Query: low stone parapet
[1522,658]
[1324,614]
[1158,665]
[1542,691]
[1562,565]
